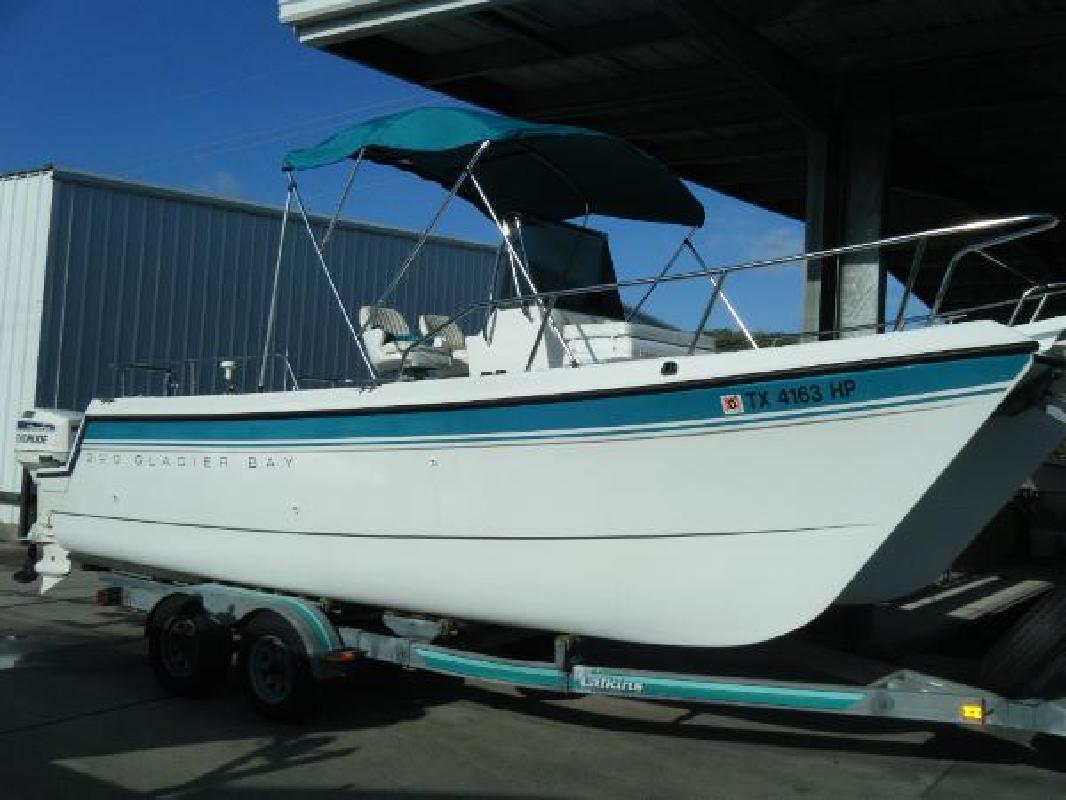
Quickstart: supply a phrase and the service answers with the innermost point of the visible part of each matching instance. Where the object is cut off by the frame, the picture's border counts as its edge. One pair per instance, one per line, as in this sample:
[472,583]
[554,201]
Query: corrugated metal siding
[137,274]
[25,203]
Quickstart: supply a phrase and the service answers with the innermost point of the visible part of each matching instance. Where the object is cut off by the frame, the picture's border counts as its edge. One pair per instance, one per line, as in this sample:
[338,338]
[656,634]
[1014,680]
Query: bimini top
[553,172]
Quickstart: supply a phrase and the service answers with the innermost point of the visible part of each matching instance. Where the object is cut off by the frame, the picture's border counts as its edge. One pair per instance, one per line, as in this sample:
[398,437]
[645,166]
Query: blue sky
[209,96]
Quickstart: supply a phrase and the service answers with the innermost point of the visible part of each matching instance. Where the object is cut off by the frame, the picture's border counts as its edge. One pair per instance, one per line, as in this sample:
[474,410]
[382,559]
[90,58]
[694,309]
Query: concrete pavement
[81,716]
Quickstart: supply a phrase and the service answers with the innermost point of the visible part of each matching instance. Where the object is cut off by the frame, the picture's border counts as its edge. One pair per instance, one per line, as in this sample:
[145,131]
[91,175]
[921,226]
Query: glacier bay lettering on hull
[191,460]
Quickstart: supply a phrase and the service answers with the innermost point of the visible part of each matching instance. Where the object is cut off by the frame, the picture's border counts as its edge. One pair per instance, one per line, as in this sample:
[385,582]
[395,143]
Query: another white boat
[562,467]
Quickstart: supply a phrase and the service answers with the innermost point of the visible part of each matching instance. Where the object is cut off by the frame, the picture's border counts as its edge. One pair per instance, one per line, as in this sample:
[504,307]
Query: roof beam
[403,62]
[681,122]
[508,25]
[778,146]
[586,100]
[383,54]
[755,59]
[915,168]
[520,51]
[932,88]
[981,38]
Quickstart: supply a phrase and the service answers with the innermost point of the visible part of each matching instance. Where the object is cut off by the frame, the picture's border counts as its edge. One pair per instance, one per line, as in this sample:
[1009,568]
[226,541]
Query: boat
[549,458]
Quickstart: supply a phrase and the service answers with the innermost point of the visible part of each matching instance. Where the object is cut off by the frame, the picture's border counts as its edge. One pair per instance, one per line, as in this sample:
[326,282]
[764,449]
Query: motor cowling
[44,437]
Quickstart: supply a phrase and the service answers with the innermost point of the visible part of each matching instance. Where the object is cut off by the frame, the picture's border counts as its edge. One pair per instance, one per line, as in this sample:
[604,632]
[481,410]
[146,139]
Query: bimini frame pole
[268,338]
[329,278]
[343,198]
[433,223]
[725,300]
[662,273]
[515,259]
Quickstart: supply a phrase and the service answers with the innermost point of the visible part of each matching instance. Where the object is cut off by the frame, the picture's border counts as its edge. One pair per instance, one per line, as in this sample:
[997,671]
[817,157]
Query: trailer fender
[232,605]
[314,629]
[237,606]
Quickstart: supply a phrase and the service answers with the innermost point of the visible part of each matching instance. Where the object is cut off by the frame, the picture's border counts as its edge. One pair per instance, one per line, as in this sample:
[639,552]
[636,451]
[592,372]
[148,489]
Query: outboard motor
[44,438]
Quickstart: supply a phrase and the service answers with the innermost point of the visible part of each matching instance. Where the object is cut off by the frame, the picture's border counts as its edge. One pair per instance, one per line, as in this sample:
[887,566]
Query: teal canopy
[552,172]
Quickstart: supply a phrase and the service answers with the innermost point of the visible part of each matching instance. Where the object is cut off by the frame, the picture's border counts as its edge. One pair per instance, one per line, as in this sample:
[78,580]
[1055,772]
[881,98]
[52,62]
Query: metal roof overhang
[973,90]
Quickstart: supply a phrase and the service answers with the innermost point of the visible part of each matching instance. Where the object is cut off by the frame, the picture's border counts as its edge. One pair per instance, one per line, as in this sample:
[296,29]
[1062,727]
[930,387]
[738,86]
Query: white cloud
[747,245]
[221,182]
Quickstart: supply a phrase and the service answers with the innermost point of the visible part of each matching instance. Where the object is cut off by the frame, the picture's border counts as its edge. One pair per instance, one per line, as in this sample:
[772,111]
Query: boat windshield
[560,256]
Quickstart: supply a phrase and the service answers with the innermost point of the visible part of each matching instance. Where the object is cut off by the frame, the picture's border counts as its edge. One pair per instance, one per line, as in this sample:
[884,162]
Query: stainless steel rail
[1006,229]
[1043,291]
[181,376]
[1030,225]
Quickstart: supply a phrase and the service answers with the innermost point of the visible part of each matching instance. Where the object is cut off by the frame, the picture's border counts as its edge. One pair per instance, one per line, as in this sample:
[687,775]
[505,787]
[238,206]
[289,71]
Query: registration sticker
[732,404]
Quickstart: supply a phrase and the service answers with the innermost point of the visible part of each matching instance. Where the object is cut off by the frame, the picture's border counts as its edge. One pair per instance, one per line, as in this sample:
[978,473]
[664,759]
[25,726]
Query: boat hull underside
[955,509]
[695,591]
[720,531]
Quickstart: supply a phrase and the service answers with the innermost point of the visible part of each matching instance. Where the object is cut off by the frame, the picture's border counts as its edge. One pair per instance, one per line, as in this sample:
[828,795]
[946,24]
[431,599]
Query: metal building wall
[143,274]
[25,202]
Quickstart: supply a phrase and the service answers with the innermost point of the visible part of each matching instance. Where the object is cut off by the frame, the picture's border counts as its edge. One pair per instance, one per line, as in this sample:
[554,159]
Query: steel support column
[846,171]
[822,230]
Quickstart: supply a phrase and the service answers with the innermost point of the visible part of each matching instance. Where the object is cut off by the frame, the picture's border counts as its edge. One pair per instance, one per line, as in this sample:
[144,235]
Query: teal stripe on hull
[696,406]
[509,438]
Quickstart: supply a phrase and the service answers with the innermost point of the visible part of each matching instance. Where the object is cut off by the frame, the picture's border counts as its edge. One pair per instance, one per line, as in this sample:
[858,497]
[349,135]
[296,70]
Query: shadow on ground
[81,716]
[47,757]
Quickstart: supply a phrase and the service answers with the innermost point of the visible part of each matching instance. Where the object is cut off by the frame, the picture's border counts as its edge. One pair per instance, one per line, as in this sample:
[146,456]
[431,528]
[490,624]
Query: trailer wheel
[275,670]
[190,654]
[1018,662]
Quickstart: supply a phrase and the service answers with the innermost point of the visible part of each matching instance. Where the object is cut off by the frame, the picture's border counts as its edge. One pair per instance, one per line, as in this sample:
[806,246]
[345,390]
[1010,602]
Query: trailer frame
[333,649]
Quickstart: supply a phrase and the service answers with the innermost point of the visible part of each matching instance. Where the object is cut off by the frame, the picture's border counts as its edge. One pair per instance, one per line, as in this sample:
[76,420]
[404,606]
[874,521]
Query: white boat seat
[386,319]
[448,331]
[387,338]
[448,337]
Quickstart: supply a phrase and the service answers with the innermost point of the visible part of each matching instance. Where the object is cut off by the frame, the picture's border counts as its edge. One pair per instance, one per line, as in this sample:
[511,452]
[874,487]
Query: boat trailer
[279,676]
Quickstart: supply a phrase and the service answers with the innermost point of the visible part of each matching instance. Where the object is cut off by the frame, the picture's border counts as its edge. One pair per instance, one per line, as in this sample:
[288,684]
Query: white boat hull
[984,477]
[986,474]
[609,501]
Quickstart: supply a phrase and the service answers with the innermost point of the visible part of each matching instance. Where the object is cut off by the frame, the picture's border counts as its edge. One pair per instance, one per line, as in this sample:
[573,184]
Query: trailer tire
[1018,663]
[275,670]
[190,653]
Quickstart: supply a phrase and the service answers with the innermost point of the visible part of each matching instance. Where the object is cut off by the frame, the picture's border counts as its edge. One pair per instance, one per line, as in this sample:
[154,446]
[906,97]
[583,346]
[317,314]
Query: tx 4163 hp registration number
[799,394]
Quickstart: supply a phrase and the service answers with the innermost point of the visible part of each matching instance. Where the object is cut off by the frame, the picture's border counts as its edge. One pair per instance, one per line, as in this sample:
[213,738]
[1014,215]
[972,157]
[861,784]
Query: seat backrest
[453,337]
[387,319]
